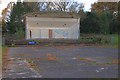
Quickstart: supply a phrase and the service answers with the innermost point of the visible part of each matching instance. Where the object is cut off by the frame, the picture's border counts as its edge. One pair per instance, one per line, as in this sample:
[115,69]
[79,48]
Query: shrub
[95,39]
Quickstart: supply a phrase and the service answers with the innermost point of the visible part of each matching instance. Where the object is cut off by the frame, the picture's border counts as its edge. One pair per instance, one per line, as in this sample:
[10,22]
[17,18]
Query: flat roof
[53,14]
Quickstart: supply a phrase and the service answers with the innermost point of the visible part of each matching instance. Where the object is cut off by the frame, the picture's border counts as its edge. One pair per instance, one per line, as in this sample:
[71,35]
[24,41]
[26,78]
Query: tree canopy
[102,19]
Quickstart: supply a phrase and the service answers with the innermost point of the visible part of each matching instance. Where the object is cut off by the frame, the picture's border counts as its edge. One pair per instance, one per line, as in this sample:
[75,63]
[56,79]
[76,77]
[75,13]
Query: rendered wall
[60,33]
[44,34]
[72,32]
[35,33]
[39,31]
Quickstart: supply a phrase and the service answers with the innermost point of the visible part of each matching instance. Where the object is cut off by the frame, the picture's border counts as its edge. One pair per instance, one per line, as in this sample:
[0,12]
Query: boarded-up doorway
[50,34]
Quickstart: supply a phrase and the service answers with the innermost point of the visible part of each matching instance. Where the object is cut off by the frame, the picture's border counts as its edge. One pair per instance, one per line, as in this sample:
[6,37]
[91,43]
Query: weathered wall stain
[62,32]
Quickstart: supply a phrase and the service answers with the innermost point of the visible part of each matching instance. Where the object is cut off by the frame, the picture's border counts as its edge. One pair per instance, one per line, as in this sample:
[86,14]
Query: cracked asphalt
[70,61]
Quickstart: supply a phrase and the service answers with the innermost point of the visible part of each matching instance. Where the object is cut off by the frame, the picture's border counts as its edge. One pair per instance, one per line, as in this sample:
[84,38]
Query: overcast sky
[87,3]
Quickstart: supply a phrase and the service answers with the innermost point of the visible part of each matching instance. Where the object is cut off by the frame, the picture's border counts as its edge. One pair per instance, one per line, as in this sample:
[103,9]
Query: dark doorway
[30,34]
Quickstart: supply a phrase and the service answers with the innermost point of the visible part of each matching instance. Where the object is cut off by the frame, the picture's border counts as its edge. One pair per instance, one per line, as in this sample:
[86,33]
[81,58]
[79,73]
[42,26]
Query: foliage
[20,34]
[90,23]
[102,19]
[118,18]
[104,22]
[96,39]
[100,7]
[115,40]
[3,26]
[17,15]
[100,39]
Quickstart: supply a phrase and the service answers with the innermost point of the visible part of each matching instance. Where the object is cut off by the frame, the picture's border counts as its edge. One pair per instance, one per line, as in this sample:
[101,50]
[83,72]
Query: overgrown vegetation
[102,19]
[111,40]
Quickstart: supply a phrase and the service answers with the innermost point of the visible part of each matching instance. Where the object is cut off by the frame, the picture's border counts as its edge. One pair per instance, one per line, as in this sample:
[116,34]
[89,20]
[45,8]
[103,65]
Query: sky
[87,3]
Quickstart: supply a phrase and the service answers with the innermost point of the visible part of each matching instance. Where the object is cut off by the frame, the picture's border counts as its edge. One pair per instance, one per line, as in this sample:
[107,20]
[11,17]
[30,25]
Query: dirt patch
[21,55]
[5,59]
[92,61]
[115,61]
[86,59]
[47,57]
[51,57]
[67,47]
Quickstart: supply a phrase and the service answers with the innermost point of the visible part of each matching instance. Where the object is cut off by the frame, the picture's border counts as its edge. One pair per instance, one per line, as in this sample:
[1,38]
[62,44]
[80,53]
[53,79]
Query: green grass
[117,38]
[2,52]
[4,49]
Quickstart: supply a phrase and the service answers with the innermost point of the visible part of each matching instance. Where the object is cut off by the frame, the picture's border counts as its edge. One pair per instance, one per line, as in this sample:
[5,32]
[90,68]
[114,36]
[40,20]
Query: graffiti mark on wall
[61,32]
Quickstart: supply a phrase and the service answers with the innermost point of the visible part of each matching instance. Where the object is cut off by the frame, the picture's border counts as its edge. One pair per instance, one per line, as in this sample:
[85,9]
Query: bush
[20,34]
[95,39]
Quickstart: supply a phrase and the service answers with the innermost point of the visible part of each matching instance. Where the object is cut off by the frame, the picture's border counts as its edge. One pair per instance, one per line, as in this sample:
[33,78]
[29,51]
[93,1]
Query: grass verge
[4,58]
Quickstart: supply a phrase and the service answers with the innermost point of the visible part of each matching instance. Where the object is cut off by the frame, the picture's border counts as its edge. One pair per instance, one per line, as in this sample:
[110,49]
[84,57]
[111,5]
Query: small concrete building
[52,25]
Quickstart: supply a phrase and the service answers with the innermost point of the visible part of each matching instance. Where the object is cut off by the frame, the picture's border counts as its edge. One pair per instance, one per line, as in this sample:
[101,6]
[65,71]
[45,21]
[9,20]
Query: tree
[15,21]
[5,14]
[76,7]
[107,13]
[90,23]
[6,11]
[104,22]
[100,7]
[61,6]
[118,18]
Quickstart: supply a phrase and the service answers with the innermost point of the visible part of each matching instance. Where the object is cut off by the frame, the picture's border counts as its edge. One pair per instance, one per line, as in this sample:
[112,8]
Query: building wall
[74,31]
[60,33]
[41,32]
[67,33]
[35,34]
[44,33]
[56,33]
